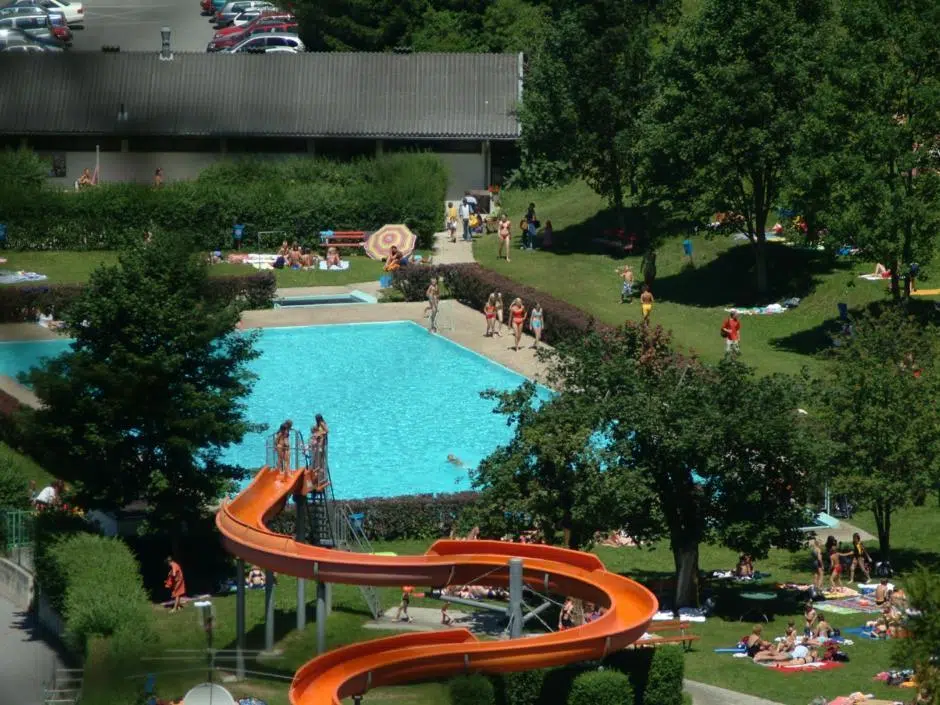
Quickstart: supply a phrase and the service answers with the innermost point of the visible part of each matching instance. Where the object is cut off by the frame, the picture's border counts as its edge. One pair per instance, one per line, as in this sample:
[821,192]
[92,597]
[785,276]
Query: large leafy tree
[732,90]
[152,390]
[880,397]
[888,79]
[922,649]
[356,25]
[664,446]
[585,87]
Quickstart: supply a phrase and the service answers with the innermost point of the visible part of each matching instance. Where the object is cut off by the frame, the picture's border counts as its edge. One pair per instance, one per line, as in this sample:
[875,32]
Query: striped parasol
[381,241]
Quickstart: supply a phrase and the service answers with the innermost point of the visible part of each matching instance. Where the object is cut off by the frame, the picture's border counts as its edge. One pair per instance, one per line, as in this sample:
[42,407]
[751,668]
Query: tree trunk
[883,522]
[686,560]
[760,264]
[895,280]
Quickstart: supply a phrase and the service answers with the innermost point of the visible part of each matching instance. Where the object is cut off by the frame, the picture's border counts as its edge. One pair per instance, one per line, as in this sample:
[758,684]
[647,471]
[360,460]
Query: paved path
[27,661]
[447,252]
[703,694]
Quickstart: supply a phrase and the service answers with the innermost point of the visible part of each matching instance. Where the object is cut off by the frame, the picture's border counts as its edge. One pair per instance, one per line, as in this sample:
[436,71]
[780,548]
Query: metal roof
[404,96]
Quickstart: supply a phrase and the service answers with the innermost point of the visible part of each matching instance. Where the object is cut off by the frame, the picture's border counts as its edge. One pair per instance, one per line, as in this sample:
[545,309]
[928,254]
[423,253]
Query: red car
[62,33]
[227,41]
[274,19]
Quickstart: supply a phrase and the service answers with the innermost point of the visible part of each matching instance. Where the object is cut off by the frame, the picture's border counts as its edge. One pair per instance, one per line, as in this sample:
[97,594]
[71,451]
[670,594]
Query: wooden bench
[344,238]
[683,637]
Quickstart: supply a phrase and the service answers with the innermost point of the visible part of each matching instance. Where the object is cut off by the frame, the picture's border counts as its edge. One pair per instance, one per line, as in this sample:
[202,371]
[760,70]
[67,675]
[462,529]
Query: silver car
[225,16]
[18,38]
[36,25]
[265,42]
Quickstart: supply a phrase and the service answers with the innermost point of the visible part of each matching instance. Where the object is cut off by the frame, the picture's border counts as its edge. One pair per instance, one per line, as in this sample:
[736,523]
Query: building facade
[135,112]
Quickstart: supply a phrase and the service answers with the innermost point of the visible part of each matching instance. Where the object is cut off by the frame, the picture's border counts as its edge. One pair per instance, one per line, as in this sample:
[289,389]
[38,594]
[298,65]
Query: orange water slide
[352,670]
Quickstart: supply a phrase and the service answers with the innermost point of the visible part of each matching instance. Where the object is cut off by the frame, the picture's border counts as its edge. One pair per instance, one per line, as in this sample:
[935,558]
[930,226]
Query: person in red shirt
[731,332]
[176,584]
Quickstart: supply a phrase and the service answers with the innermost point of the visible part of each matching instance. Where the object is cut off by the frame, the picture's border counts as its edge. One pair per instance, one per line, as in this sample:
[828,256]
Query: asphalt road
[134,25]
[27,663]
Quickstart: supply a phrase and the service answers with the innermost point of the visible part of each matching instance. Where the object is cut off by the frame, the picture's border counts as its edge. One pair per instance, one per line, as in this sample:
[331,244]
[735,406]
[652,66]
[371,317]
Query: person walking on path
[464,212]
[450,221]
[517,319]
[646,304]
[176,584]
[731,332]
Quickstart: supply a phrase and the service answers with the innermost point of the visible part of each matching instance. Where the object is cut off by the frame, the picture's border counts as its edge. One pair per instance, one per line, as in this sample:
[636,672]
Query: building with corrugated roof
[181,114]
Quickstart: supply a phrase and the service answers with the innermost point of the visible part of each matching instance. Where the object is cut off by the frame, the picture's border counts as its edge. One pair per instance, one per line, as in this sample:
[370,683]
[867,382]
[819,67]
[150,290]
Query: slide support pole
[321,617]
[240,619]
[515,598]
[269,610]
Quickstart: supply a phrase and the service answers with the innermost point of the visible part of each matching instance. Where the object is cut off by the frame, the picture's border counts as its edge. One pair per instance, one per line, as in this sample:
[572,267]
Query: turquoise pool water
[397,401]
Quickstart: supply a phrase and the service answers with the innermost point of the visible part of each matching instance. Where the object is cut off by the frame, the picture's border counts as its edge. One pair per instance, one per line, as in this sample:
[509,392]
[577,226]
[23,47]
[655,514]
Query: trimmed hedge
[601,688]
[23,304]
[666,674]
[473,689]
[471,284]
[50,528]
[300,196]
[426,516]
[104,595]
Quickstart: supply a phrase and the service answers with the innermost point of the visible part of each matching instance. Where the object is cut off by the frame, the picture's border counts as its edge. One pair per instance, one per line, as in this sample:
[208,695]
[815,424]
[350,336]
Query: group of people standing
[319,434]
[493,312]
[861,560]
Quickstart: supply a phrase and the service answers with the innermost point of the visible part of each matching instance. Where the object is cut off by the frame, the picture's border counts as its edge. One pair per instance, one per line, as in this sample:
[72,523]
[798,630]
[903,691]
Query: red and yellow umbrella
[381,241]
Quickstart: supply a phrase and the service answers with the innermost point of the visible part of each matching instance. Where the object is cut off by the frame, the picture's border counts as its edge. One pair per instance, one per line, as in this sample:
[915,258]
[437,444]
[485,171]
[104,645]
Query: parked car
[225,16]
[39,26]
[242,22]
[230,40]
[23,47]
[73,12]
[263,42]
[17,37]
[210,7]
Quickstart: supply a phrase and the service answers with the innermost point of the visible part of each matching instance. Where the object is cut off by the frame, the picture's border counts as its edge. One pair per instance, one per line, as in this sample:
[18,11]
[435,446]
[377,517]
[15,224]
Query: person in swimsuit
[816,559]
[489,310]
[835,565]
[295,257]
[799,656]
[860,559]
[284,250]
[332,258]
[499,313]
[535,323]
[403,605]
[754,644]
[433,295]
[176,584]
[255,579]
[504,238]
[646,304]
[626,287]
[566,616]
[810,618]
[393,261]
[282,445]
[319,435]
[517,316]
[882,593]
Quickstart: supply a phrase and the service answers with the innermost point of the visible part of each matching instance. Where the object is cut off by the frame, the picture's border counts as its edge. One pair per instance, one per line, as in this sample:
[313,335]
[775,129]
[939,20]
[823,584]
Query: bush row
[19,304]
[471,284]
[629,677]
[406,517]
[298,196]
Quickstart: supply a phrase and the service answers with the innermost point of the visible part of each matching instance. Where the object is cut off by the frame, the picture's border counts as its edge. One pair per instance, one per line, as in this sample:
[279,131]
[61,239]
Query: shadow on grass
[594,235]
[729,279]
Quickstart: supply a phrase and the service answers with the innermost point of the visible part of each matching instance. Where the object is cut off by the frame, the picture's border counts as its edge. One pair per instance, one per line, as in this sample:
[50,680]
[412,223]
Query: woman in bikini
[536,323]
[860,559]
[505,237]
[646,304]
[801,655]
[755,644]
[433,295]
[489,310]
[282,445]
[517,316]
[816,557]
[499,314]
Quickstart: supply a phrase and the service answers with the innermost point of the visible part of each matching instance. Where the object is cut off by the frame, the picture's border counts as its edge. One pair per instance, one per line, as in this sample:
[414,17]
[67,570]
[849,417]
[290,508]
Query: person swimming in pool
[536,323]
[454,460]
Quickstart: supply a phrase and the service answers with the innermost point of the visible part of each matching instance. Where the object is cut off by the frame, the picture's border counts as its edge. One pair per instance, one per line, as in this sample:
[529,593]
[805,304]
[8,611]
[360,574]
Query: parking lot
[134,25]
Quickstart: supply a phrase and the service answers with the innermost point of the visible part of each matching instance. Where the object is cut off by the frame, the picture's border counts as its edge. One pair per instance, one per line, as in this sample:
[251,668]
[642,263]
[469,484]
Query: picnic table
[761,603]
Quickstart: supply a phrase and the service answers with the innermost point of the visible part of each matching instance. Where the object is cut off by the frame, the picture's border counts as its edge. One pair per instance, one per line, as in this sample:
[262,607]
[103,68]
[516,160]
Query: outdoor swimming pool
[397,400]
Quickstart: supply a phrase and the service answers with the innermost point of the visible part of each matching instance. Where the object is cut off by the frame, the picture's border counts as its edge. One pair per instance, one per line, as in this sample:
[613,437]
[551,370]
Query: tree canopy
[151,391]
[660,444]
[732,89]
[921,650]
[880,401]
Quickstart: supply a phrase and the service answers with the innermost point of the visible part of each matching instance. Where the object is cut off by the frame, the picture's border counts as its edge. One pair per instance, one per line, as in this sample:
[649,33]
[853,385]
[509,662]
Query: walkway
[27,663]
[447,252]
[703,694]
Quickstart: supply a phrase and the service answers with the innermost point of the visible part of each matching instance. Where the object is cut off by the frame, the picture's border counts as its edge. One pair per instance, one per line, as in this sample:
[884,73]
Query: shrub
[601,688]
[473,689]
[635,663]
[23,304]
[471,284]
[14,488]
[299,196]
[523,688]
[50,528]
[666,674]
[104,594]
[407,517]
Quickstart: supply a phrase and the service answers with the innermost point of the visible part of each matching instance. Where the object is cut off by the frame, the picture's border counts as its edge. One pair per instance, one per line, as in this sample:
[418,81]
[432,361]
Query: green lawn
[913,527]
[689,301]
[76,267]
[25,466]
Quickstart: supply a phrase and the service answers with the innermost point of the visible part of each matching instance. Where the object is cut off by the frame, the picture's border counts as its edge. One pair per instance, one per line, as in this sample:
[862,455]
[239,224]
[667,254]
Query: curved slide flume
[352,670]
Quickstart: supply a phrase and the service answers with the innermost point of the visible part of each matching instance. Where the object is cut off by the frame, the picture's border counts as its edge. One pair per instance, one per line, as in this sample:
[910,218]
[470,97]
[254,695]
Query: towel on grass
[840,593]
[686,614]
[859,604]
[926,292]
[8,277]
[874,277]
[343,265]
[758,310]
[784,667]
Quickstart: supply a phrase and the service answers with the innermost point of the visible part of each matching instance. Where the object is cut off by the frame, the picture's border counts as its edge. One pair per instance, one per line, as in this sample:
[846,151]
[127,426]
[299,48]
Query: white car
[73,12]
[264,43]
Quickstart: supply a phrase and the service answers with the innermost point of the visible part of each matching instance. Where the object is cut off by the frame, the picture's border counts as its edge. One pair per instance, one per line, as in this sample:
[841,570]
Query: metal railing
[294,456]
[66,687]
[17,526]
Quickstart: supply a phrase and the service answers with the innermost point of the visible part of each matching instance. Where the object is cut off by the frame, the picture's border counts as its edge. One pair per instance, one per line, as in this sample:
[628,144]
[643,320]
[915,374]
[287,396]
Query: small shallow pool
[398,401]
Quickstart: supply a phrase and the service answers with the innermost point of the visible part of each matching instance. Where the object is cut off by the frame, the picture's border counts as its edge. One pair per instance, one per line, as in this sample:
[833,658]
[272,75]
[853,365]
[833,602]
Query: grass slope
[690,301]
